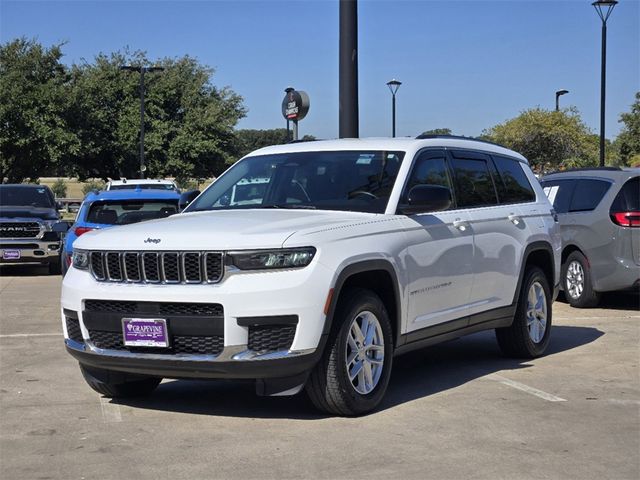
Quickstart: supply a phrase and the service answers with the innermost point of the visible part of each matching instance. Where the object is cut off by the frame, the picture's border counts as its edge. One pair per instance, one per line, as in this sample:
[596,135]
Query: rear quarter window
[628,198]
[513,185]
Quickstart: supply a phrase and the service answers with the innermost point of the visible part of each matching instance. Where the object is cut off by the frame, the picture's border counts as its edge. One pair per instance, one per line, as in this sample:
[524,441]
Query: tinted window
[587,195]
[513,185]
[130,211]
[474,186]
[628,198]
[40,197]
[559,193]
[428,170]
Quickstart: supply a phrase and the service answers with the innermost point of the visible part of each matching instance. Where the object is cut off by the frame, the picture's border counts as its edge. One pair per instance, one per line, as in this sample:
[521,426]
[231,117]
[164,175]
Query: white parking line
[526,388]
[110,411]
[23,335]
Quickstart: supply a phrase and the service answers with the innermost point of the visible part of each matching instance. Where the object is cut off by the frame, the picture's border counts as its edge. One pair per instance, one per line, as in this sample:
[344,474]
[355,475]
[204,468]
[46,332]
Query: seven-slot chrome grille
[157,267]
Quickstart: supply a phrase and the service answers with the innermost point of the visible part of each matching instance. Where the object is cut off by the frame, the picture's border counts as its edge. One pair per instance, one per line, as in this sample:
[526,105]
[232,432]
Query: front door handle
[515,219]
[461,225]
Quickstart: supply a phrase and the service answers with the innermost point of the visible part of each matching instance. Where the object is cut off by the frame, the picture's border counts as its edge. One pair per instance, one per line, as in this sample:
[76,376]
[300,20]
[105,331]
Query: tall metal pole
[348,66]
[603,79]
[142,70]
[393,115]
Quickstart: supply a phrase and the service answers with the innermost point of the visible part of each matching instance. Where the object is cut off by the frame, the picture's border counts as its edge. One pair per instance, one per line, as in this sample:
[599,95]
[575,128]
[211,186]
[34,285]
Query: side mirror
[186,198]
[427,198]
[60,227]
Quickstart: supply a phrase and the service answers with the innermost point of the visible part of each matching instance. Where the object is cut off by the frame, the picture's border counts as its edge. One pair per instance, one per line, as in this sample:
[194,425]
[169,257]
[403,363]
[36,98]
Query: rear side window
[513,185]
[559,193]
[628,198]
[588,194]
[474,186]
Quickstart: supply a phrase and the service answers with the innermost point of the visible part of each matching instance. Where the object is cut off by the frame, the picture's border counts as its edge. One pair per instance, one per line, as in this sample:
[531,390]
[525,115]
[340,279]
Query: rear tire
[528,335]
[352,376]
[577,283]
[124,389]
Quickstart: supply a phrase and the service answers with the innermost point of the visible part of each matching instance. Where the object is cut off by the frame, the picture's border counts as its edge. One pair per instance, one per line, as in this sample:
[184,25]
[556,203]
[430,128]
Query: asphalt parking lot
[458,410]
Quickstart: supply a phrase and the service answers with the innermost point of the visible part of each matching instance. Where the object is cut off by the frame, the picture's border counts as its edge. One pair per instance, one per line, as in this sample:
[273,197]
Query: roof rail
[457,137]
[301,140]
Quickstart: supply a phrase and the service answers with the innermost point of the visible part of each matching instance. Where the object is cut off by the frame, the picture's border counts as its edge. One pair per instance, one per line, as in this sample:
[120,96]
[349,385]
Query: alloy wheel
[364,356]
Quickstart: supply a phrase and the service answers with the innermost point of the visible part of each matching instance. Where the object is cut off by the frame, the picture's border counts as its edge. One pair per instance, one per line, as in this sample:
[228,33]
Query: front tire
[528,336]
[122,388]
[352,376]
[577,284]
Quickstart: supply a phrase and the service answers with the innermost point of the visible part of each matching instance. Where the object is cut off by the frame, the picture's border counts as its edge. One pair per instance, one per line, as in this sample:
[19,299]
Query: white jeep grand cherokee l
[332,258]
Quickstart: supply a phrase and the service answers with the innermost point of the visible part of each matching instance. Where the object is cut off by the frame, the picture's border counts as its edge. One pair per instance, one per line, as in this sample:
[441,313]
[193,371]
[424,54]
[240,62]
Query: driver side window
[429,169]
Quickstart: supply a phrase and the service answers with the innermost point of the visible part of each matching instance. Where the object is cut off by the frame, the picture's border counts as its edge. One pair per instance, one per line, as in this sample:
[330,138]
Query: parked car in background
[599,214]
[145,184]
[27,216]
[118,207]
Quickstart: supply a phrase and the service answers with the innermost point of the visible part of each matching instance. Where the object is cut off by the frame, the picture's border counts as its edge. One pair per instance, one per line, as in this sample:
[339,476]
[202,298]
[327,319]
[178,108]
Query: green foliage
[438,131]
[548,139]
[250,140]
[59,188]
[188,123]
[92,185]
[188,184]
[628,142]
[34,135]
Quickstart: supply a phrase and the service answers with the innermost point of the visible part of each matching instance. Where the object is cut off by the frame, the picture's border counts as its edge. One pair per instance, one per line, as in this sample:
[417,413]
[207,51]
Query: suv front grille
[157,267]
[162,308]
[19,230]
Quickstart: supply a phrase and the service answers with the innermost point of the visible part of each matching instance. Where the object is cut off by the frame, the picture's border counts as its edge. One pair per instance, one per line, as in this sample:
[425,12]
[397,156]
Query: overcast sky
[465,65]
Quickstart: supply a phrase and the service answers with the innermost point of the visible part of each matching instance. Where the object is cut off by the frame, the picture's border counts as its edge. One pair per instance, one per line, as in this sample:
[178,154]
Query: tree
[34,136]
[250,140]
[188,123]
[549,139]
[59,188]
[438,131]
[628,141]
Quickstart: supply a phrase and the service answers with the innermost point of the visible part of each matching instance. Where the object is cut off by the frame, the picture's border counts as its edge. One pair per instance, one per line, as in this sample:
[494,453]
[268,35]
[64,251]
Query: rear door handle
[461,225]
[515,219]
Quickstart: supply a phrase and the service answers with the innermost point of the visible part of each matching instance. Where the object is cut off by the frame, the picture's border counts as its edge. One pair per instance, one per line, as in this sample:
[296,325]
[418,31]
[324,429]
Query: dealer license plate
[11,254]
[145,332]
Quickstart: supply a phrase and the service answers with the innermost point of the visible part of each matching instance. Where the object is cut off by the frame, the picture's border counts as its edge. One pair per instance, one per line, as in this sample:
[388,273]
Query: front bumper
[31,250]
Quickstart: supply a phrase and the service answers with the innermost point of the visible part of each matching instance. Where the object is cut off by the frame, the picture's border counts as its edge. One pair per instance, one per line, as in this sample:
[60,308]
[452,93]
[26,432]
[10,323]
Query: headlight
[81,259]
[268,259]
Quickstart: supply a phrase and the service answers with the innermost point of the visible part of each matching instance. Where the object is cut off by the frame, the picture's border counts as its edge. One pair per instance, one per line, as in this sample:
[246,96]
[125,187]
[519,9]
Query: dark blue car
[118,207]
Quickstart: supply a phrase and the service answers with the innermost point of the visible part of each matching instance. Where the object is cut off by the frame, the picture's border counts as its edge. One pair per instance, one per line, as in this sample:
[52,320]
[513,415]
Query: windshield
[39,197]
[344,180]
[124,212]
[144,186]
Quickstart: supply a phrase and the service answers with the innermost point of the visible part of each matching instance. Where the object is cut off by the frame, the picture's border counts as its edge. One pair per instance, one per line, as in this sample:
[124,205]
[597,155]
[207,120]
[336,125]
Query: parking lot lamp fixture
[393,85]
[142,71]
[558,94]
[604,9]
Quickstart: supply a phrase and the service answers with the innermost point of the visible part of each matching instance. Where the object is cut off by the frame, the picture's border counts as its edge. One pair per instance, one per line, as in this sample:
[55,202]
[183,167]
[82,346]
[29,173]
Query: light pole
[142,71]
[558,94]
[604,9]
[393,85]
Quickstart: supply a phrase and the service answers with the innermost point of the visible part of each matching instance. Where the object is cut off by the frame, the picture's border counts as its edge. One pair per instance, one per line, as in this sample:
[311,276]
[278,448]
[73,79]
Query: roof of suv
[611,173]
[401,143]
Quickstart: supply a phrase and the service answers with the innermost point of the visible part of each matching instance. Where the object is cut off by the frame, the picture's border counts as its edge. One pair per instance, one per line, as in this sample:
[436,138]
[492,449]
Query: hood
[221,230]
[10,211]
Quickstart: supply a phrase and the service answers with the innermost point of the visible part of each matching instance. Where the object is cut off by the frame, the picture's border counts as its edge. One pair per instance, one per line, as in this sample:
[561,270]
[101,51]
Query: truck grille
[20,230]
[157,267]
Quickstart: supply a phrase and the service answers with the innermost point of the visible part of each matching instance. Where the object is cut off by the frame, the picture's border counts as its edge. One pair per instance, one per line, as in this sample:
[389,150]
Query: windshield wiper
[290,206]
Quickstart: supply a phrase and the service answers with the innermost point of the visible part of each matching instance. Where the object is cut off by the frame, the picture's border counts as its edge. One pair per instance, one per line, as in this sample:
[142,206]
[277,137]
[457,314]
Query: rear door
[499,228]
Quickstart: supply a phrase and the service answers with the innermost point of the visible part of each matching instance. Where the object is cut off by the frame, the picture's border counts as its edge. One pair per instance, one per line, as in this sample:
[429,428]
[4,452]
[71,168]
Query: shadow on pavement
[31,270]
[415,375]
[625,300]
